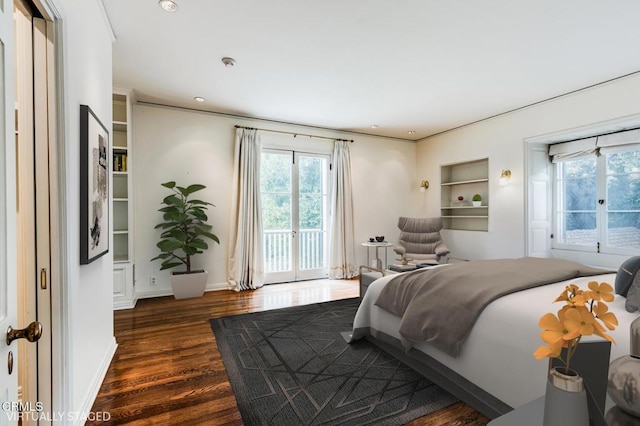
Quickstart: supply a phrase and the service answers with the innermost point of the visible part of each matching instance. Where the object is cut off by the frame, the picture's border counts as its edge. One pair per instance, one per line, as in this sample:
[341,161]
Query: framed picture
[94,187]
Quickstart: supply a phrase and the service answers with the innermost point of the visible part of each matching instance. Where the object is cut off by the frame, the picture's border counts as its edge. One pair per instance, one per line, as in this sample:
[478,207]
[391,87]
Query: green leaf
[190,251]
[199,214]
[168,245]
[200,244]
[172,216]
[164,225]
[169,185]
[173,200]
[204,203]
[169,265]
[168,209]
[193,188]
[179,235]
[161,256]
[212,236]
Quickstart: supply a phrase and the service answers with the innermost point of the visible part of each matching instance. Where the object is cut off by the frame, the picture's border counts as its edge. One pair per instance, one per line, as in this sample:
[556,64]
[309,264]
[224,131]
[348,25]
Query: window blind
[612,142]
[574,149]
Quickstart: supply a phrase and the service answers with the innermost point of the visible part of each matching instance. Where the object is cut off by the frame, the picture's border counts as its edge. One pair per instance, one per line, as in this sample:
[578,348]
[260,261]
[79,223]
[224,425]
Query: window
[597,200]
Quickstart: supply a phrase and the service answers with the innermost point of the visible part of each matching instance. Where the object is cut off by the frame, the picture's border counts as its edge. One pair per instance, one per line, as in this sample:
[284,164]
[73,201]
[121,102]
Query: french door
[294,189]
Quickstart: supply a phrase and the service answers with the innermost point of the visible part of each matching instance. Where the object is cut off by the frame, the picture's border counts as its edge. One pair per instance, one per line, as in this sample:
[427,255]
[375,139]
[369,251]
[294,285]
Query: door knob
[32,333]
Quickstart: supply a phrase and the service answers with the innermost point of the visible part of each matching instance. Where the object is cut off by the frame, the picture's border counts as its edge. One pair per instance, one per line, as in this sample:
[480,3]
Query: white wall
[189,147]
[501,140]
[88,299]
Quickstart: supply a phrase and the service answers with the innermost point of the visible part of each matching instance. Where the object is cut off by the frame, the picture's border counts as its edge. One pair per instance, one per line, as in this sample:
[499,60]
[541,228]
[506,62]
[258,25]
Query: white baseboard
[90,398]
[168,292]
[125,303]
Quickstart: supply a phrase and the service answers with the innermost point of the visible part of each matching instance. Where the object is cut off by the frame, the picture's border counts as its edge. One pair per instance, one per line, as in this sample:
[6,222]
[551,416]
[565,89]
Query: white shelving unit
[124,295]
[465,180]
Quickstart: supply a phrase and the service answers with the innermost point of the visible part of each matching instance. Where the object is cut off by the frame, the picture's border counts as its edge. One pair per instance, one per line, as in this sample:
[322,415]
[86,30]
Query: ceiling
[409,65]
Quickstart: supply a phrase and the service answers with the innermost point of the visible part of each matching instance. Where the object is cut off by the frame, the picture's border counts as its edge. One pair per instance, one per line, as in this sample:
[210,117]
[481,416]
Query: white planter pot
[476,203]
[189,285]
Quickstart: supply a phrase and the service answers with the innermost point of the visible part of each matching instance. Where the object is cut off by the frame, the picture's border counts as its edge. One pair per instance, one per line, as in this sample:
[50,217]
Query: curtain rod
[295,134]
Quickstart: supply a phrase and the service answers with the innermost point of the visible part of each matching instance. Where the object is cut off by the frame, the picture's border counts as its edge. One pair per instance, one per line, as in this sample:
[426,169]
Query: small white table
[377,246]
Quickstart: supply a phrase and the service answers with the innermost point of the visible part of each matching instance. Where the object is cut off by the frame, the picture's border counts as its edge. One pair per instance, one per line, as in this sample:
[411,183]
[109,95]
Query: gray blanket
[441,305]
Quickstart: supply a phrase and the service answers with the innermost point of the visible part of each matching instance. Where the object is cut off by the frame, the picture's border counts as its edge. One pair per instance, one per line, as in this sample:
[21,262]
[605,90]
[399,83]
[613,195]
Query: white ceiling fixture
[423,65]
[199,99]
[168,5]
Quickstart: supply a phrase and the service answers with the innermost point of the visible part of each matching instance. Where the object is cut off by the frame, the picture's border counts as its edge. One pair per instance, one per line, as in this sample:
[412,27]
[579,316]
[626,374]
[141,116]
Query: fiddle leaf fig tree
[184,229]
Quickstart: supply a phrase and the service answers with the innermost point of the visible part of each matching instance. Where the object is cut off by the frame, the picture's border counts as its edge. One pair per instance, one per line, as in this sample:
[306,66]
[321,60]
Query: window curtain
[342,259]
[245,232]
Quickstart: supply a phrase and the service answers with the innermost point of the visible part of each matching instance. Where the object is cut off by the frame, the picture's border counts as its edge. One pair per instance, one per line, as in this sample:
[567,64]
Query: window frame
[602,210]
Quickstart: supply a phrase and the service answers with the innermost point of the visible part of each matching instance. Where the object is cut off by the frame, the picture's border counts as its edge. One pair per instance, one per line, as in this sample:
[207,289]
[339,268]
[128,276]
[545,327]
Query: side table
[377,246]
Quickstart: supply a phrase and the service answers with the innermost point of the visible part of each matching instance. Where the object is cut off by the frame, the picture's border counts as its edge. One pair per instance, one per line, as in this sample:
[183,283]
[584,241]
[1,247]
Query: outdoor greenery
[275,181]
[579,183]
[184,228]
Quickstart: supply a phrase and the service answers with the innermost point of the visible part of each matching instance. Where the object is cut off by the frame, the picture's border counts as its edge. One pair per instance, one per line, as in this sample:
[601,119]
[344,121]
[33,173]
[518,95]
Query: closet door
[8,280]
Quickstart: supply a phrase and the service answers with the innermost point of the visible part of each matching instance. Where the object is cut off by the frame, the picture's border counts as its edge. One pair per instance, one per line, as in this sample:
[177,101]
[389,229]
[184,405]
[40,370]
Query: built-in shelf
[124,295]
[465,180]
[463,207]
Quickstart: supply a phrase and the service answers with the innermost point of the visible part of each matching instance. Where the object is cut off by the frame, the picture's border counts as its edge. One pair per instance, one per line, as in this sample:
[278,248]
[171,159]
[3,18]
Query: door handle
[32,333]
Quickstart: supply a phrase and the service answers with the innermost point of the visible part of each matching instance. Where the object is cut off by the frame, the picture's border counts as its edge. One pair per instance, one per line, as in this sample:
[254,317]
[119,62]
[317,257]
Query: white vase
[189,285]
[565,402]
[476,203]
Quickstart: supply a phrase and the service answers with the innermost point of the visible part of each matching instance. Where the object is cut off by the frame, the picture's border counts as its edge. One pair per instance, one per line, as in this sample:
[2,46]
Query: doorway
[35,203]
[295,204]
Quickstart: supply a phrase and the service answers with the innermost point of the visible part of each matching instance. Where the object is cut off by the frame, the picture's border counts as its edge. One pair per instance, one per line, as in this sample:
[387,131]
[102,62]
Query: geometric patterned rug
[291,366]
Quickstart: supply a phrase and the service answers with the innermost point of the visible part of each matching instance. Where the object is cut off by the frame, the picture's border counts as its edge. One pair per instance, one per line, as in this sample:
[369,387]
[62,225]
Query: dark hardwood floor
[168,371]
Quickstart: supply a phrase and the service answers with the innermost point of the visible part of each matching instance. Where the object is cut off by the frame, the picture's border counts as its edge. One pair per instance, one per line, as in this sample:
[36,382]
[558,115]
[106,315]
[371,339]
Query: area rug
[292,367]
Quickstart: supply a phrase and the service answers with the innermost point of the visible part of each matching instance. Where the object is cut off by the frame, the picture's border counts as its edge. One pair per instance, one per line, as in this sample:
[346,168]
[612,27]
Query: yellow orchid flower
[608,318]
[556,329]
[584,313]
[580,319]
[551,351]
[602,291]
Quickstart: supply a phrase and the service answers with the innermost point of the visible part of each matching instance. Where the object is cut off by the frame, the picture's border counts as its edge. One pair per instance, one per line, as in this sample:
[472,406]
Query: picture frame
[94,187]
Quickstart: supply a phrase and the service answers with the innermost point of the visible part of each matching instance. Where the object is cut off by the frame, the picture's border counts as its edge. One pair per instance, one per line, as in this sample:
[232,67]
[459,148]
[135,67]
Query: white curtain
[245,232]
[342,257]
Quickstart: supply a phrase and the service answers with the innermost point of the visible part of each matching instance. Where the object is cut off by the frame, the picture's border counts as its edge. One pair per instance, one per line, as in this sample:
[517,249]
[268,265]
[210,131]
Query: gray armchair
[420,240]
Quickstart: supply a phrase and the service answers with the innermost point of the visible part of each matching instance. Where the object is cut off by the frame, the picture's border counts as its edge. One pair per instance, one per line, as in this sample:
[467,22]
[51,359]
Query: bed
[497,356]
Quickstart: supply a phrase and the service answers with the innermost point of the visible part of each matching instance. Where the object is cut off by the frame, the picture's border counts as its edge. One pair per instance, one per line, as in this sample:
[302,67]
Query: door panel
[25,198]
[41,95]
[313,200]
[294,194]
[8,286]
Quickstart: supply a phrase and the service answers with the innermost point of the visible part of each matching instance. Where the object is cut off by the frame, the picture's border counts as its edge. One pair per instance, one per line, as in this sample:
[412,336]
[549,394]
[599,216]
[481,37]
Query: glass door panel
[294,215]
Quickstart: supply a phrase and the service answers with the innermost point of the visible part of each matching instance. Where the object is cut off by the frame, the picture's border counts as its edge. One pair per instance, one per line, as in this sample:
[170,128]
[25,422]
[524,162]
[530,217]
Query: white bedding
[498,355]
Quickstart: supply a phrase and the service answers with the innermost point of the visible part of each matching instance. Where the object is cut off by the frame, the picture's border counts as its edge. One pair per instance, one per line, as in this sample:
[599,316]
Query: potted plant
[476,200]
[184,231]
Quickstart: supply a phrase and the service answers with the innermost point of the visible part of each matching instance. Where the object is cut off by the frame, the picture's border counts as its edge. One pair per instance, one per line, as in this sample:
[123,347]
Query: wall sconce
[505,177]
[424,185]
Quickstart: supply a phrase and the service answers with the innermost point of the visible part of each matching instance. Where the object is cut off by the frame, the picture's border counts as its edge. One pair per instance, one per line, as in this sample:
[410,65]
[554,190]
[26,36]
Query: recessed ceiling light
[168,5]
[411,132]
[198,99]
[228,62]
[374,126]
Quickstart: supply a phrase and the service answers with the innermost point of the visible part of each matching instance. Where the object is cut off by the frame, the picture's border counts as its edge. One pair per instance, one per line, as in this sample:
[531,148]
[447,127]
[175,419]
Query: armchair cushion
[420,240]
